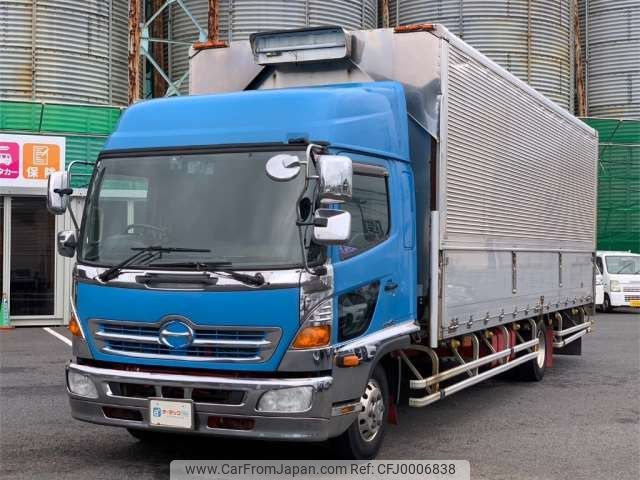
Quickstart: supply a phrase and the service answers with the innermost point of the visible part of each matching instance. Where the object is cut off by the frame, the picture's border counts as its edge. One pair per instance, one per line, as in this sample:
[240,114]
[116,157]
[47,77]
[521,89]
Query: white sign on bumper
[168,413]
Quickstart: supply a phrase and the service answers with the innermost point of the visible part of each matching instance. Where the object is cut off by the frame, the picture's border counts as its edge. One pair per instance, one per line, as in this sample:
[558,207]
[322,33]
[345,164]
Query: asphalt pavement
[581,422]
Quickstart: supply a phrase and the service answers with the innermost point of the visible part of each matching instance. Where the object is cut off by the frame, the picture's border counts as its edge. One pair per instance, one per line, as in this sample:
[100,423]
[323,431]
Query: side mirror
[332,227]
[58,192]
[67,243]
[335,173]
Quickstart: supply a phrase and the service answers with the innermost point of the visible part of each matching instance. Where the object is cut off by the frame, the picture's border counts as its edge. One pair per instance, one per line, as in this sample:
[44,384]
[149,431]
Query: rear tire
[533,370]
[362,440]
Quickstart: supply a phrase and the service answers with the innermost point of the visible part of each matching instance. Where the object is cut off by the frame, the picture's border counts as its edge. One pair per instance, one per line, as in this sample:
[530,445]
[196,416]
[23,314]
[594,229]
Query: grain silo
[531,39]
[610,34]
[64,51]
[241,18]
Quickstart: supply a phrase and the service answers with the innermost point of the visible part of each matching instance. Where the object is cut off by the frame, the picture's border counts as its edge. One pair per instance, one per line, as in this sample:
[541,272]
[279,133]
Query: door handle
[390,286]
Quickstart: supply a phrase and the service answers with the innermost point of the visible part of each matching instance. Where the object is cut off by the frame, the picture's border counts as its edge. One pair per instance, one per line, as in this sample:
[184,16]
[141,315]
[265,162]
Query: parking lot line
[57,335]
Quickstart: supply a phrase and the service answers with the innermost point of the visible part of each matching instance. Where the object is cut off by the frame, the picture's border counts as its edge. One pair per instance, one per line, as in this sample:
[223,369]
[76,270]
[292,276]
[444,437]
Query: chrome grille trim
[210,344]
[186,358]
[199,342]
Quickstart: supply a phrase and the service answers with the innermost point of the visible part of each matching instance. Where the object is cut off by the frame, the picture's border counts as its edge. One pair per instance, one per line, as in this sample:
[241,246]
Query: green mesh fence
[618,184]
[85,128]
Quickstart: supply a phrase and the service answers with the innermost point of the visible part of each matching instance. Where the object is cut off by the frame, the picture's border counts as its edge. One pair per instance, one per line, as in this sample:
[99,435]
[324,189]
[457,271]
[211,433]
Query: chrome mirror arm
[71,214]
[73,219]
[300,220]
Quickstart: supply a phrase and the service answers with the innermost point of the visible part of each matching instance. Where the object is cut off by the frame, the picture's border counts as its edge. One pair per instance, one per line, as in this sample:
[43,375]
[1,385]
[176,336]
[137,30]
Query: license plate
[634,303]
[169,413]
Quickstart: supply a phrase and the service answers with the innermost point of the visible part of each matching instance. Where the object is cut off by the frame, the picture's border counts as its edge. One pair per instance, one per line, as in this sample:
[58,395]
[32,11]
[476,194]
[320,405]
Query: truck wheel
[363,438]
[533,371]
[606,304]
[147,436]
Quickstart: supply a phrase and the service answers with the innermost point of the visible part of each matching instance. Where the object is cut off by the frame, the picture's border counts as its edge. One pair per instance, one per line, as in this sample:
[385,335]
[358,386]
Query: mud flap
[392,417]
[548,361]
[574,348]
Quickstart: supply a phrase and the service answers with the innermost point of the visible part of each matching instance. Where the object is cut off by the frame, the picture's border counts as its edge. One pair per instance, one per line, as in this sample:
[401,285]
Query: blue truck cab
[215,302]
[340,218]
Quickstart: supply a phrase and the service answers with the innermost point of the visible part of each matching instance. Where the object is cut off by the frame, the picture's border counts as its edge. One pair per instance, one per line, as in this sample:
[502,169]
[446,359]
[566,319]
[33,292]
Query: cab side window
[599,264]
[369,208]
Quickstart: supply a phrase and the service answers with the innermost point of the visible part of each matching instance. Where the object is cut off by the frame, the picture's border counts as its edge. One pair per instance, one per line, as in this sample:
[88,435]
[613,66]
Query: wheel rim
[542,349]
[372,414]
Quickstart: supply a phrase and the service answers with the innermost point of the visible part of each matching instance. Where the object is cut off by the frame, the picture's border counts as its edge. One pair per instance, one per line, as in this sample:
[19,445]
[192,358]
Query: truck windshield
[222,205]
[620,265]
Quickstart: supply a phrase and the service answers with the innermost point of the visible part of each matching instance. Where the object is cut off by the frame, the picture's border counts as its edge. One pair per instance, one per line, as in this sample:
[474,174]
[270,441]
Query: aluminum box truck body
[331,220]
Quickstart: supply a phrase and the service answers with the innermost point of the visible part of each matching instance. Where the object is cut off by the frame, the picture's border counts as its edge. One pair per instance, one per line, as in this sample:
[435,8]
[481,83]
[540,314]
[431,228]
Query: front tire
[606,304]
[362,440]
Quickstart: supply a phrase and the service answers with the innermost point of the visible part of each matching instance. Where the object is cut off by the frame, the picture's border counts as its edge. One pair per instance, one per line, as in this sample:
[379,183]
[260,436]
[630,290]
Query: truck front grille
[631,289]
[628,298]
[209,344]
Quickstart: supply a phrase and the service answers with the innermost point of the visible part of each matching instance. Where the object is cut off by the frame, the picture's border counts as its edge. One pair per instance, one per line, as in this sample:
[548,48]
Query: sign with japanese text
[27,160]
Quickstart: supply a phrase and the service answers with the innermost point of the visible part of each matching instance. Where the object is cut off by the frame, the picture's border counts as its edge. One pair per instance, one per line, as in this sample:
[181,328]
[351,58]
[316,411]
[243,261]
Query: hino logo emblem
[176,333]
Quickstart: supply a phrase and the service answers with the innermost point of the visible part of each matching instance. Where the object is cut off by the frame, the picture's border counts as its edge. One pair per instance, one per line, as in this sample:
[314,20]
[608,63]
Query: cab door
[375,285]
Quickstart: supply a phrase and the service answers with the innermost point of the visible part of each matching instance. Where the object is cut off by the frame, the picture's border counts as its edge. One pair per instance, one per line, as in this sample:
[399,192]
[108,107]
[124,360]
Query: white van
[621,279]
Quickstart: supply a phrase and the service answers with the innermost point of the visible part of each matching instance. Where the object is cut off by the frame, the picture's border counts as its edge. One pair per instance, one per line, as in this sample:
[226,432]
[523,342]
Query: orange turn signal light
[74,327]
[312,337]
[348,361]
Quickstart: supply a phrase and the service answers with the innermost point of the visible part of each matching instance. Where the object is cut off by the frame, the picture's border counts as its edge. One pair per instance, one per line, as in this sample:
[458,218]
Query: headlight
[615,286]
[80,384]
[286,400]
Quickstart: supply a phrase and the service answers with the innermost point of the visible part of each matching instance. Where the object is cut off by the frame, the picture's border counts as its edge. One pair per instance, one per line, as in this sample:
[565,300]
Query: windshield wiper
[256,279]
[193,264]
[146,253]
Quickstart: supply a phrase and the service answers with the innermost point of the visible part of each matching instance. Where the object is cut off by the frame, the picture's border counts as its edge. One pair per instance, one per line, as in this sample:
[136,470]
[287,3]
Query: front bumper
[316,424]
[623,299]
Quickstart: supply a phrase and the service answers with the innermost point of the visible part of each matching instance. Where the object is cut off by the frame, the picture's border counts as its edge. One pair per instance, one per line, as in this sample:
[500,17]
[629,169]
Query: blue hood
[246,308]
